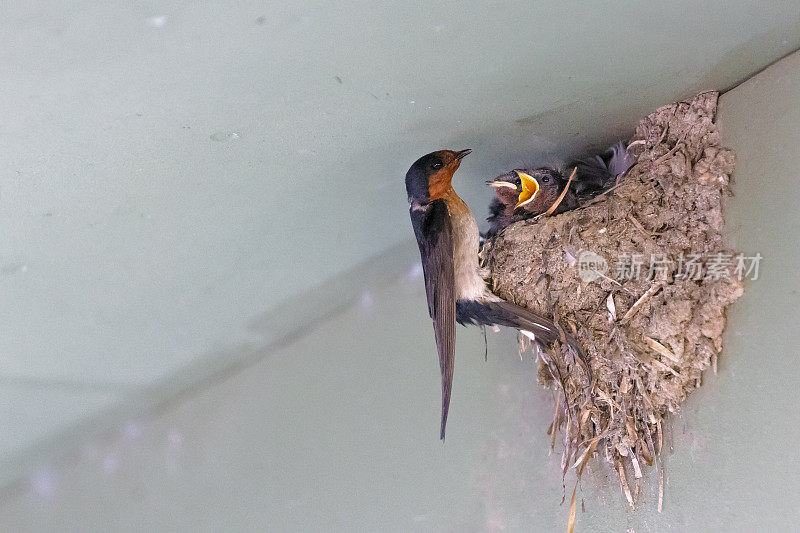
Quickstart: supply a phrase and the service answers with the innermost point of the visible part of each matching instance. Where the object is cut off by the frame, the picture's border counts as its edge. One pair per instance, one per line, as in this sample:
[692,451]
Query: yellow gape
[529,188]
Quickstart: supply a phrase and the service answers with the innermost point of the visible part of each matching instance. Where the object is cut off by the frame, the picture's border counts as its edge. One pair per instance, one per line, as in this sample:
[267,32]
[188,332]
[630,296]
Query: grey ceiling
[173,170]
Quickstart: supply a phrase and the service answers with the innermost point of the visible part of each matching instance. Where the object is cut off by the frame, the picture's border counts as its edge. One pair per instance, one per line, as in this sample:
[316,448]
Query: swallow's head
[530,187]
[507,189]
[430,175]
[530,190]
[540,189]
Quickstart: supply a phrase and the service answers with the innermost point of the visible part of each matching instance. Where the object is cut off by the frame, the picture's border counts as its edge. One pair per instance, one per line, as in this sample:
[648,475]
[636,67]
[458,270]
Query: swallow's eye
[545,179]
[437,165]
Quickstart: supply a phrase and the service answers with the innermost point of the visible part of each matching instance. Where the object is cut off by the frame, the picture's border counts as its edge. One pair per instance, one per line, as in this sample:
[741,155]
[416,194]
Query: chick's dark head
[531,191]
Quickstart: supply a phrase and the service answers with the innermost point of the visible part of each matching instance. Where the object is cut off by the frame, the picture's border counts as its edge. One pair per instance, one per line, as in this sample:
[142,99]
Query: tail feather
[503,313]
[520,318]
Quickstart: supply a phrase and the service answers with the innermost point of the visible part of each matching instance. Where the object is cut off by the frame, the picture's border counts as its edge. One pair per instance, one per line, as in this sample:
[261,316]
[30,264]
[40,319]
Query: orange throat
[439,184]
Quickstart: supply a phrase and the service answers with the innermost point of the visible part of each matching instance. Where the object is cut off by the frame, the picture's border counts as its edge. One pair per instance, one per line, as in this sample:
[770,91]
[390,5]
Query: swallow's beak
[462,154]
[530,187]
[499,183]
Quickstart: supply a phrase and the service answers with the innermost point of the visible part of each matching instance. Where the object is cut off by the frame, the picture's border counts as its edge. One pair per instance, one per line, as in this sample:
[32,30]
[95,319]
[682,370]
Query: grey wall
[339,429]
[185,186]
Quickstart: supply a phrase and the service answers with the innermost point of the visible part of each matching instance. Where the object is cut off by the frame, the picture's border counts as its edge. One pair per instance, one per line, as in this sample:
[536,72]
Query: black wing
[435,238]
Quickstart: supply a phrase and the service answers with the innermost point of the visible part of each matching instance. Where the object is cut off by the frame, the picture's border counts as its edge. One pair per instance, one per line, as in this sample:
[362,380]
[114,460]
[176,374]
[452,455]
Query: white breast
[469,283]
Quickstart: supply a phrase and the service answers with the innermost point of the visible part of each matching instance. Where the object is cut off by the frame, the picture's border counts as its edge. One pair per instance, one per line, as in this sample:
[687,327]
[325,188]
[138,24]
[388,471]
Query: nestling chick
[522,194]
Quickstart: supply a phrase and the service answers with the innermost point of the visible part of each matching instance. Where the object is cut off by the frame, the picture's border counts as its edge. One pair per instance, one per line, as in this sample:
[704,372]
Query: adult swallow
[447,235]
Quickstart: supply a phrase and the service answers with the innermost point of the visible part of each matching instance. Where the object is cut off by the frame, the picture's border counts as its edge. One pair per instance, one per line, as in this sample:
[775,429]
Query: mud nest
[638,275]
